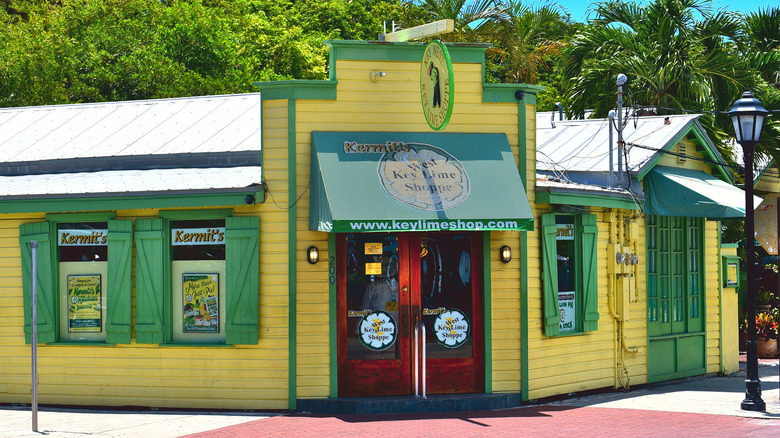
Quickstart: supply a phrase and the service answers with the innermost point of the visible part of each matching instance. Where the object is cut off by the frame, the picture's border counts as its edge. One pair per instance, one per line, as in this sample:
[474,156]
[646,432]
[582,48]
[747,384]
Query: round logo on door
[378,330]
[452,328]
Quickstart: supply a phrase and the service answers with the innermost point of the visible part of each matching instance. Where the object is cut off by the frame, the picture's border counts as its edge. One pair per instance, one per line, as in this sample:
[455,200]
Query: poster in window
[84,310]
[200,293]
[566,306]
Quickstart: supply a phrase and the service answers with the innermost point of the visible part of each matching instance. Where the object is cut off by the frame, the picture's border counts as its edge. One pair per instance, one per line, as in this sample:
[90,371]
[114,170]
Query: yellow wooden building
[284,249]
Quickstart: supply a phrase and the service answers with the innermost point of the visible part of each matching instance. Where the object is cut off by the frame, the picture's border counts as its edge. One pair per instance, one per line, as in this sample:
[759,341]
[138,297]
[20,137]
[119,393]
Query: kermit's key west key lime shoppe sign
[276,250]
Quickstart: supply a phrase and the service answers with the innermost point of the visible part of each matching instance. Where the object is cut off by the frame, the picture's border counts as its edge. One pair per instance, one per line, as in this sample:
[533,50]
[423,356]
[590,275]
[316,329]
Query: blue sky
[578,8]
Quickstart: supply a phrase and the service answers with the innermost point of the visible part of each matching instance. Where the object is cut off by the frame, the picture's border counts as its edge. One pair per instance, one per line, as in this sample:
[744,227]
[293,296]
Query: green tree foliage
[475,20]
[529,40]
[678,55]
[71,51]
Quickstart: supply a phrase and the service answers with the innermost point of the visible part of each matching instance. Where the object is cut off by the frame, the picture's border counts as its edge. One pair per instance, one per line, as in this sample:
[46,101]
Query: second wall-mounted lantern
[505,254]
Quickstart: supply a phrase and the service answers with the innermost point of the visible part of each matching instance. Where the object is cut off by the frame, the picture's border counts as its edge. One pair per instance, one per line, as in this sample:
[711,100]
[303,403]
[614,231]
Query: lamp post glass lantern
[748,115]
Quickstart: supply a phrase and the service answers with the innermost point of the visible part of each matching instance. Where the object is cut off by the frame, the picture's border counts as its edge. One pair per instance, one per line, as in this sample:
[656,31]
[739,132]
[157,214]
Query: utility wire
[688,157]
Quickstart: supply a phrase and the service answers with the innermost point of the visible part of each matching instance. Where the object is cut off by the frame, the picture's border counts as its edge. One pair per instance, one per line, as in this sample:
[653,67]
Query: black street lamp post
[748,117]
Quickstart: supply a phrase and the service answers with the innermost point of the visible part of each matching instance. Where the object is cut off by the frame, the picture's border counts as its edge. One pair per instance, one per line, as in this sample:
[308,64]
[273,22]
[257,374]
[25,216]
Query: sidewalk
[703,407]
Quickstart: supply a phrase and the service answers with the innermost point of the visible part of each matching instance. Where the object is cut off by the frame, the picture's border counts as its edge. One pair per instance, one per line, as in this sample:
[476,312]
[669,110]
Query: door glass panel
[446,294]
[372,296]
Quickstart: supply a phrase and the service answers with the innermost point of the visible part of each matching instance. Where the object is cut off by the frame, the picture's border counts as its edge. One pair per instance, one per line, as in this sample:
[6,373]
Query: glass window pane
[372,296]
[446,294]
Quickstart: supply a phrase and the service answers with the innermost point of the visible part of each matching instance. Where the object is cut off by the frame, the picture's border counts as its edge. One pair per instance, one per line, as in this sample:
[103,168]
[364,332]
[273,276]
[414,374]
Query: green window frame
[585,270]
[153,276]
[119,281]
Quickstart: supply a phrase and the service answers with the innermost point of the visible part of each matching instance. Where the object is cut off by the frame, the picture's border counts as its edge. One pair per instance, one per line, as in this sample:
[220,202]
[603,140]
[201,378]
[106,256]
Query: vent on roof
[681,152]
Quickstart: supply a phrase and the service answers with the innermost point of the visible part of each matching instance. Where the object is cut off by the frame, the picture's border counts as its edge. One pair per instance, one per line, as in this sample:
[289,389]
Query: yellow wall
[256,377]
[393,104]
[237,377]
[592,360]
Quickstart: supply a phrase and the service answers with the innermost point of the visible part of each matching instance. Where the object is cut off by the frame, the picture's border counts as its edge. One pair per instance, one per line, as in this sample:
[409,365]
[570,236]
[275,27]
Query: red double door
[387,283]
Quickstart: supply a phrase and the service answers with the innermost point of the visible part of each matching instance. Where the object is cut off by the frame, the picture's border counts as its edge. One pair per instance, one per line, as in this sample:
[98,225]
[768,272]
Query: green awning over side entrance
[671,191]
[411,181]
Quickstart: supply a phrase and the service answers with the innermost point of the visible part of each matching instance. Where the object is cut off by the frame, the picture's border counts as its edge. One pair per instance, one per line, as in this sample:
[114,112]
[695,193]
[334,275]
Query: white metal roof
[583,145]
[130,181]
[151,131]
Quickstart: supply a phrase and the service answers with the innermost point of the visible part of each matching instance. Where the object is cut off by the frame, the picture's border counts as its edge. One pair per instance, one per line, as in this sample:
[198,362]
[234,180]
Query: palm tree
[673,58]
[760,49]
[528,39]
[474,19]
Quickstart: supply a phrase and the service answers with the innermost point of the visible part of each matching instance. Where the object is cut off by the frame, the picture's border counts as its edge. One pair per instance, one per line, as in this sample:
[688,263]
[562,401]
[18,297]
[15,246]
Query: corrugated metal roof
[130,181]
[105,132]
[583,145]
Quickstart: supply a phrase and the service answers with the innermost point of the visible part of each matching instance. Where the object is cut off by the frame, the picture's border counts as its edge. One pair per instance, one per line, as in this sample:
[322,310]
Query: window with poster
[569,273]
[83,277]
[197,278]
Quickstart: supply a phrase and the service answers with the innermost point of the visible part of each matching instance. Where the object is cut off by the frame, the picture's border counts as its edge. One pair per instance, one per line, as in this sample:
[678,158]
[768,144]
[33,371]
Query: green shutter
[119,282]
[46,288]
[590,287]
[149,281]
[242,261]
[552,317]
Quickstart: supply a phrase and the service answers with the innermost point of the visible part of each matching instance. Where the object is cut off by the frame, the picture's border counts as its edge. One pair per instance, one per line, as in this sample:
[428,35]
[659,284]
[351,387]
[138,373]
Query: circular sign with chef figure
[452,328]
[377,330]
[437,87]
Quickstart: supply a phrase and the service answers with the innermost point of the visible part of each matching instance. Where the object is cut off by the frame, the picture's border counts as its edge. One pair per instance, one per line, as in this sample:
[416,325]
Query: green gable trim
[588,200]
[124,202]
[702,140]
[298,89]
[505,93]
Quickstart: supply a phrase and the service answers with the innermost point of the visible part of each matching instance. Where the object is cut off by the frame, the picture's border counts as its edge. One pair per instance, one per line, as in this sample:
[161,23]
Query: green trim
[524,360]
[546,197]
[712,153]
[522,157]
[101,216]
[505,93]
[298,89]
[720,299]
[702,225]
[191,345]
[332,317]
[487,291]
[760,173]
[522,146]
[80,344]
[292,243]
[195,214]
[402,51]
[708,149]
[136,202]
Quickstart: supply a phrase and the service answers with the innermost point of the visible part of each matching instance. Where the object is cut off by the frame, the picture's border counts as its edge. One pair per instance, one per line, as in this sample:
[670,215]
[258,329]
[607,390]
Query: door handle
[416,313]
